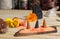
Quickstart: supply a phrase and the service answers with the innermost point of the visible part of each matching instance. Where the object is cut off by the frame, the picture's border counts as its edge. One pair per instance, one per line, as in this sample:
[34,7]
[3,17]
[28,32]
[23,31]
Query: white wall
[6,4]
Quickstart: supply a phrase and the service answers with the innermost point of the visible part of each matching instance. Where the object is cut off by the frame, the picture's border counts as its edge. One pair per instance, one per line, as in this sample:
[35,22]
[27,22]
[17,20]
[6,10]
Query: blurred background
[25,4]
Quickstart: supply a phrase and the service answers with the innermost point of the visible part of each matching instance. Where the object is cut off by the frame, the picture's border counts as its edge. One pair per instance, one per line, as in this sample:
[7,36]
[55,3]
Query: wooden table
[21,13]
